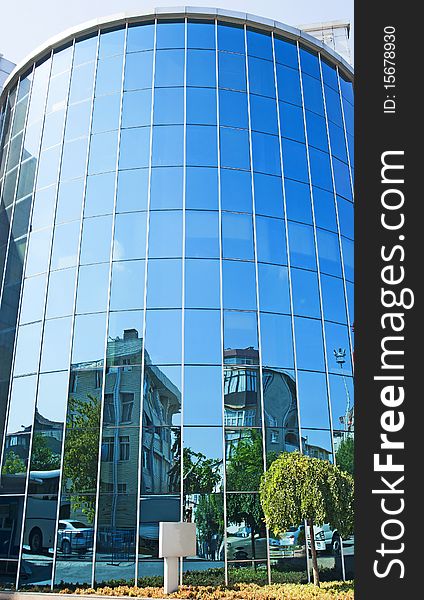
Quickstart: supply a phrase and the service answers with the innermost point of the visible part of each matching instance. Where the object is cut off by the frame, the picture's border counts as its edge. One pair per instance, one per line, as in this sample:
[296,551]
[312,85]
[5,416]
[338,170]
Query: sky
[26,24]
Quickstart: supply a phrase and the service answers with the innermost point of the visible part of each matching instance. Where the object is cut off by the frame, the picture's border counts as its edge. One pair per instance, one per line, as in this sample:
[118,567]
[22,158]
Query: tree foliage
[345,455]
[42,457]
[13,464]
[81,453]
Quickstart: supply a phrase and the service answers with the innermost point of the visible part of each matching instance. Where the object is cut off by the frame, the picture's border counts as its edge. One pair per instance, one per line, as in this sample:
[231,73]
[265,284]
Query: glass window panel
[333,299]
[201,68]
[48,169]
[237,236]
[127,287]
[162,396]
[38,252]
[348,116]
[169,68]
[69,201]
[170,34]
[109,75]
[159,477]
[27,349]
[236,190]
[96,238]
[302,246]
[132,190]
[273,288]
[324,209]
[239,285]
[202,283]
[286,52]
[242,403]
[312,94]
[85,50]
[305,293]
[52,397]
[81,83]
[317,443]
[202,234]
[168,107]
[313,401]
[65,245]
[201,325]
[350,301]
[291,122]
[337,141]
[201,188]
[348,258]
[56,344]
[60,296]
[58,91]
[280,406]
[62,60]
[52,134]
[202,395]
[201,106]
[329,253]
[309,63]
[103,148]
[338,348]
[346,217]
[200,35]
[333,107]
[320,169]
[130,236]
[268,195]
[111,42]
[134,148]
[74,159]
[329,75]
[43,211]
[317,131]
[124,348]
[342,180]
[168,144]
[202,446]
[138,71]
[259,43]
[99,195]
[271,240]
[240,332]
[93,287]
[230,38]
[78,120]
[233,109]
[232,71]
[106,113]
[294,160]
[289,85]
[298,201]
[165,237]
[32,307]
[243,446]
[163,336]
[277,340]
[89,339]
[309,344]
[140,37]
[166,188]
[201,146]
[164,283]
[263,113]
[342,403]
[261,77]
[234,146]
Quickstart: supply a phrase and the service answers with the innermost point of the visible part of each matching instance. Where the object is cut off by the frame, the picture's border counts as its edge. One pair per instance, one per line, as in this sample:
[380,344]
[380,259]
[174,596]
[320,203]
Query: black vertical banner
[389,357]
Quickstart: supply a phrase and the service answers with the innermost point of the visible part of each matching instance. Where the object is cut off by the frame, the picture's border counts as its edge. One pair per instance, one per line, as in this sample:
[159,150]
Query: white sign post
[175,540]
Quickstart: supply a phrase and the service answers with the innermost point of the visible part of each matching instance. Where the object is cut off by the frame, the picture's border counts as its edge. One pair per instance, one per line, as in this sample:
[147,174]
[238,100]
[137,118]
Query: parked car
[74,536]
[239,545]
[294,536]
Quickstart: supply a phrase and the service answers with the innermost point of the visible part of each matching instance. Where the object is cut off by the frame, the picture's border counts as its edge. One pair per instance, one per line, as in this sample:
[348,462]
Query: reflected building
[176,243]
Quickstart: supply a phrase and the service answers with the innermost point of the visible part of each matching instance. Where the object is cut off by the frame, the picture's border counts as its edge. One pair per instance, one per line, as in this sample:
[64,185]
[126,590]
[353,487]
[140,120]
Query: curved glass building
[176,293]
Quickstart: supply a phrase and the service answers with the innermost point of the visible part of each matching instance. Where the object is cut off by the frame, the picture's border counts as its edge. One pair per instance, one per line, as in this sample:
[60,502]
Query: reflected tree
[42,457]
[13,464]
[81,453]
[209,518]
[345,455]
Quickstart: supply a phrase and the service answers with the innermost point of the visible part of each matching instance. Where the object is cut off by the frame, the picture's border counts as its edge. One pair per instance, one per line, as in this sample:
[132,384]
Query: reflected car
[326,539]
[294,536]
[74,536]
[239,546]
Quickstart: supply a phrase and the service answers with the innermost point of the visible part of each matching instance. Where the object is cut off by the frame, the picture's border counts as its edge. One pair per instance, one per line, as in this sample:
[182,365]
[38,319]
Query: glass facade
[176,297]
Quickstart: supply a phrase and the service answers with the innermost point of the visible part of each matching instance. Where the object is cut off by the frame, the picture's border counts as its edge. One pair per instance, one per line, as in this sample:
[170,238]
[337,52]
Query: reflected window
[202,283]
[130,236]
[165,234]
[202,395]
[273,288]
[305,293]
[127,287]
[239,285]
[202,188]
[93,285]
[309,344]
[242,403]
[271,240]
[56,344]
[313,401]
[132,190]
[164,283]
[202,341]
[163,336]
[277,341]
[96,238]
[202,234]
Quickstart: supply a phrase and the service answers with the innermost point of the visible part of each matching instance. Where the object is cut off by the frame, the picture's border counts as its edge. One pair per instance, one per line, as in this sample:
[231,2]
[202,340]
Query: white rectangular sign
[177,539]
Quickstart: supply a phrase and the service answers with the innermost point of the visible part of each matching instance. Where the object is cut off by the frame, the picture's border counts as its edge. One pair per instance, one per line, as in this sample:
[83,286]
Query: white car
[74,536]
[326,539]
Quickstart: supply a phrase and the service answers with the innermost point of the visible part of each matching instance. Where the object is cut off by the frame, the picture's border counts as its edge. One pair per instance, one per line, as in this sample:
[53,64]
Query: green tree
[209,518]
[42,457]
[13,464]
[296,488]
[345,455]
[81,453]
